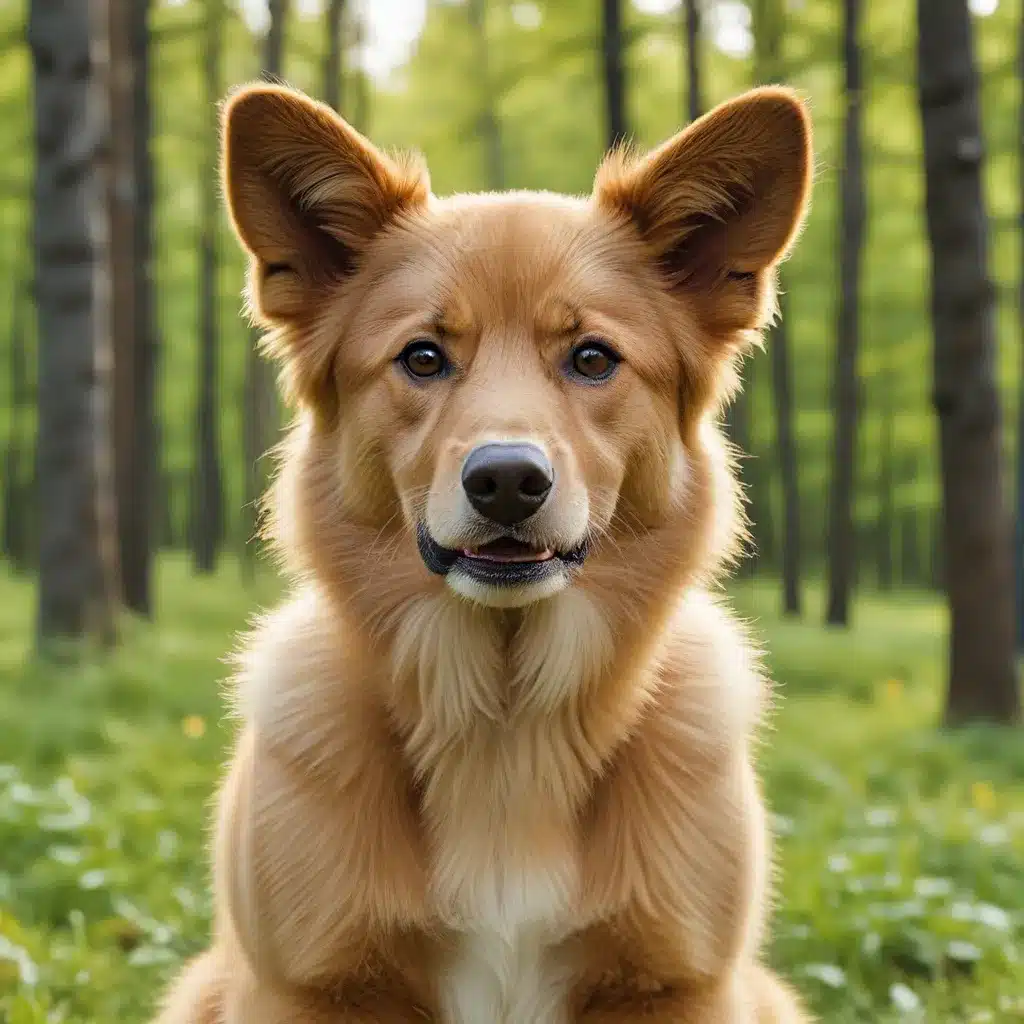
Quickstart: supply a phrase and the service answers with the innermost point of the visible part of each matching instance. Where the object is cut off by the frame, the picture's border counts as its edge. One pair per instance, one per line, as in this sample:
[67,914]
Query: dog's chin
[502,574]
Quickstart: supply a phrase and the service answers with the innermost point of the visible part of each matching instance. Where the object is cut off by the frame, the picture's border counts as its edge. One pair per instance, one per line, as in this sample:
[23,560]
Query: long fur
[448,807]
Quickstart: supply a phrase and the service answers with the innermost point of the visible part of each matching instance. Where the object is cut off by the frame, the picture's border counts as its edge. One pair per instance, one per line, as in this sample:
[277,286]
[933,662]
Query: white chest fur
[507,968]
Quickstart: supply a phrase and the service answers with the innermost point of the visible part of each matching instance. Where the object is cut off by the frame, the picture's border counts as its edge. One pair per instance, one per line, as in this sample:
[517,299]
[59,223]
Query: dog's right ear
[307,193]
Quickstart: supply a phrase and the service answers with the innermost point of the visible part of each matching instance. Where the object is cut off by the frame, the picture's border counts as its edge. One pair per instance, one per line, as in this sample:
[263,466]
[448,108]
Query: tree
[490,126]
[259,401]
[137,571]
[769,26]
[17,478]
[982,670]
[131,212]
[332,56]
[77,532]
[614,73]
[207,527]
[691,23]
[886,525]
[845,399]
[360,79]
[1018,553]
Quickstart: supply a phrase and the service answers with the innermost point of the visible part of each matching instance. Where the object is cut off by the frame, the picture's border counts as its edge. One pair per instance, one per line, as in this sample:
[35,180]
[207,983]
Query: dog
[495,761]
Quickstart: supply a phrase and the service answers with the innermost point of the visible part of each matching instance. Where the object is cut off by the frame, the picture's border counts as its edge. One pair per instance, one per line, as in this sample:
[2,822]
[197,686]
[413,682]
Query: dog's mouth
[505,561]
[508,549]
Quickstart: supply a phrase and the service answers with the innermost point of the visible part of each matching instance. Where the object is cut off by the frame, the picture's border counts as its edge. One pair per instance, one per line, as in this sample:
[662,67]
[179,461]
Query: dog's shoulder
[297,666]
[711,669]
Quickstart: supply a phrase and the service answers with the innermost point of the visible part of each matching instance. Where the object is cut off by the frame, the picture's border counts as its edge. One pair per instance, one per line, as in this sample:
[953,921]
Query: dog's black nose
[507,483]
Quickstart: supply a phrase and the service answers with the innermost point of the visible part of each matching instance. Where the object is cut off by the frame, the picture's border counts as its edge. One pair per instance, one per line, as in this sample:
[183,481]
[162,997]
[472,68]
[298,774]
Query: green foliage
[899,847]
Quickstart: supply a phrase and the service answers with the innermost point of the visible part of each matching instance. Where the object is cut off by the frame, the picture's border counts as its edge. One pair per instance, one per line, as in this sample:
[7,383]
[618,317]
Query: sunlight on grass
[900,847]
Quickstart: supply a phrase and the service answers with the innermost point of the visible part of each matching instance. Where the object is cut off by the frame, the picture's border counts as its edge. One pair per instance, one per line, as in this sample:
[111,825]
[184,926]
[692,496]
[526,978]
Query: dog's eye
[594,360]
[424,359]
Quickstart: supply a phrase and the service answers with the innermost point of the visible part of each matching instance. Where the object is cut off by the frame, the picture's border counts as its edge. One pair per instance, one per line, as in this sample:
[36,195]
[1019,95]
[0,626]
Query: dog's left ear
[724,199]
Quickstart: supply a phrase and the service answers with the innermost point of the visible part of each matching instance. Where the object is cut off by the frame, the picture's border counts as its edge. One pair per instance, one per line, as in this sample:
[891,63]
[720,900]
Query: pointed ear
[307,194]
[723,199]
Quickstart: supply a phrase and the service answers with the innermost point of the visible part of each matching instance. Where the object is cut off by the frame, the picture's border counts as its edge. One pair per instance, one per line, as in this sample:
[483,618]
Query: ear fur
[306,194]
[725,198]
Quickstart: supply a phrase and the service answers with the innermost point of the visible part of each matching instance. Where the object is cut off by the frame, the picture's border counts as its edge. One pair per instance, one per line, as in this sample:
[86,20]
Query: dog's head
[495,387]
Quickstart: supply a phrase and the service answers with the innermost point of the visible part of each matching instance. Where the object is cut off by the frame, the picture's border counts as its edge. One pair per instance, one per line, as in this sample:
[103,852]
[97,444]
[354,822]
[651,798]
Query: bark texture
[976,528]
[694,93]
[614,71]
[334,19]
[208,497]
[77,530]
[842,542]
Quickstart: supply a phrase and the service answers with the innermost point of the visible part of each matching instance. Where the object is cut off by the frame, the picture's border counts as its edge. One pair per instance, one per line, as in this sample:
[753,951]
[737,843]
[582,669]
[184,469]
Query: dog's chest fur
[502,792]
[508,903]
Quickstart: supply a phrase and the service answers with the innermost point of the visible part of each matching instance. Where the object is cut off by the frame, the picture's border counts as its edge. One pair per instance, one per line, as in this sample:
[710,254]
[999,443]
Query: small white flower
[828,974]
[903,998]
[932,887]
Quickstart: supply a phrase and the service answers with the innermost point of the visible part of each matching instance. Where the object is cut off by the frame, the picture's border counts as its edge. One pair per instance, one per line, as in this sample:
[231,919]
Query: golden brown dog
[495,765]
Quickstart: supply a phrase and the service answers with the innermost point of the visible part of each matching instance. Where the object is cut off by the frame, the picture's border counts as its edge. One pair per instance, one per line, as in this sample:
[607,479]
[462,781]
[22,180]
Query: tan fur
[466,807]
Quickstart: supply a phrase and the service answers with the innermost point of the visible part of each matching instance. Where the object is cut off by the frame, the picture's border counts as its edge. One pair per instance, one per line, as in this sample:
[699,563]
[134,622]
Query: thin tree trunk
[259,401]
[979,577]
[17,489]
[334,16]
[785,448]
[845,385]
[138,584]
[694,95]
[1018,547]
[614,73]
[490,126]
[208,495]
[77,568]
[359,78]
[886,498]
[131,312]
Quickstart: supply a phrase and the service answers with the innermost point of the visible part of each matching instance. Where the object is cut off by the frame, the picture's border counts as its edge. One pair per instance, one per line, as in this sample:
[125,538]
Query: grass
[901,847]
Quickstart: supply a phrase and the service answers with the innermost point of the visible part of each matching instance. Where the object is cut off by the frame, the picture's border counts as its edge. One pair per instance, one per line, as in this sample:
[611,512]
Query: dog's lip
[508,549]
[440,559]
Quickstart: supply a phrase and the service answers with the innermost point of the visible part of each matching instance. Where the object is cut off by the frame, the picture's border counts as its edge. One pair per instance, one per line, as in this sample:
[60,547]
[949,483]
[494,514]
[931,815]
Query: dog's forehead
[539,256]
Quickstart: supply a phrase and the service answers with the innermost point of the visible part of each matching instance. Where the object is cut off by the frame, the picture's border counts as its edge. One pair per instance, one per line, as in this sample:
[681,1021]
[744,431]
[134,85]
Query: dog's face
[511,381]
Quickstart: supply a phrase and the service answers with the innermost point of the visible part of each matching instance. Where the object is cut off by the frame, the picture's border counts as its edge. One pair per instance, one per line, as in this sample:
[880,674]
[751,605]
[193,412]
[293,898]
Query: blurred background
[884,470]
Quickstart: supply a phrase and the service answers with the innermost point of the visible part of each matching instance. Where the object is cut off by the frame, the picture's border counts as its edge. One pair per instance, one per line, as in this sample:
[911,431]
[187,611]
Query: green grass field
[901,891]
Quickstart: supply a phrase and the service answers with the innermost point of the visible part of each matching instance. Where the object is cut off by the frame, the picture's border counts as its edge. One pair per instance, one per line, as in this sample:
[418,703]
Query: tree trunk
[886,498]
[691,22]
[17,478]
[332,57]
[845,384]
[979,578]
[131,329]
[137,570]
[614,73]
[77,567]
[208,494]
[259,400]
[490,126]
[785,448]
[1018,547]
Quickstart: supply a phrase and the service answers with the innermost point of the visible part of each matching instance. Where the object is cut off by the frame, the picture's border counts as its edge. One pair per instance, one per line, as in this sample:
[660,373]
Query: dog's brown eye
[594,361]
[424,359]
